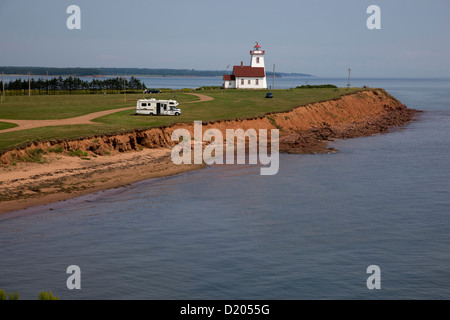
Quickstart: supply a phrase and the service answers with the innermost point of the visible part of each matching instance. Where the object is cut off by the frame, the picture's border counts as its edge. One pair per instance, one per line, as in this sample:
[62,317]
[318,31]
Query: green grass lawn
[227,104]
[69,106]
[7,125]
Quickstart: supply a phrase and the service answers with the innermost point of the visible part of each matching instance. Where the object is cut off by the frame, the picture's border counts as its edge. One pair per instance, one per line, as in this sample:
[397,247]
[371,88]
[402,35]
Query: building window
[257,82]
[242,81]
[249,81]
[257,59]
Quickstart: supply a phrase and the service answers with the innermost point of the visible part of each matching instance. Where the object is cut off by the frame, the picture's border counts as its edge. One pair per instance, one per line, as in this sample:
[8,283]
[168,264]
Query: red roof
[229,77]
[247,71]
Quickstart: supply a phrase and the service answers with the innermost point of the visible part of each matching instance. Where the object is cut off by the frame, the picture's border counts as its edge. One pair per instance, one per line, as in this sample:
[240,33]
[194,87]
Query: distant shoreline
[147,76]
[106,72]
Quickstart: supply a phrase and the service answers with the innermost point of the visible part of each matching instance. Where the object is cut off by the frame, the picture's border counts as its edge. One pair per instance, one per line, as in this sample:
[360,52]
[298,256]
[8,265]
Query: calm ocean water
[226,232]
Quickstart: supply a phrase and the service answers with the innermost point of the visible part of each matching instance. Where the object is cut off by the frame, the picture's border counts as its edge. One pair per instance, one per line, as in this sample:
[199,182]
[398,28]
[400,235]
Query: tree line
[161,72]
[72,85]
[84,72]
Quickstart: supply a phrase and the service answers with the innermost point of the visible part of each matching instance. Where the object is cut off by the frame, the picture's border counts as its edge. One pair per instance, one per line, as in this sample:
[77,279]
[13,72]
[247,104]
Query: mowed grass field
[227,104]
[7,125]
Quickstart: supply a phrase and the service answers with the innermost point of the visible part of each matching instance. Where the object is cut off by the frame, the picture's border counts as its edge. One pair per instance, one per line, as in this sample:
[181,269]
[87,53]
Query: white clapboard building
[248,77]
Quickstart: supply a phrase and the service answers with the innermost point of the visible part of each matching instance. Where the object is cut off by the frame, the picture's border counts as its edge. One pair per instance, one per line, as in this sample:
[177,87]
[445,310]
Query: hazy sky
[321,37]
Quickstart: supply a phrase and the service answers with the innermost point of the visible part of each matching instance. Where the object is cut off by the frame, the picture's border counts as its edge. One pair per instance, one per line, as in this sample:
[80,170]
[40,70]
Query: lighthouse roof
[247,71]
[229,77]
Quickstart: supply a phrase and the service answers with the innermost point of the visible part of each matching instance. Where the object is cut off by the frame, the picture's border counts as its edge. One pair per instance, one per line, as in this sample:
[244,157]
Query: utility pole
[3,87]
[348,84]
[125,90]
[273,78]
[47,82]
[29,84]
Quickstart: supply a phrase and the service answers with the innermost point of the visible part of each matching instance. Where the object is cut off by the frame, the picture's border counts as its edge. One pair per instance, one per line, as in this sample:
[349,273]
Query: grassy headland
[106,150]
[227,104]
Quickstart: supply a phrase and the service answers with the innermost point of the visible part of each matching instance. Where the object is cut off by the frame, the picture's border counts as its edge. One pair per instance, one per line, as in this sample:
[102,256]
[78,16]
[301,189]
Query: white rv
[155,107]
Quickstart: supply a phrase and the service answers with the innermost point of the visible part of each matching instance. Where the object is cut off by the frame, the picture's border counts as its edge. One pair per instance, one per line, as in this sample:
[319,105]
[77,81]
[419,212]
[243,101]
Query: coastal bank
[110,161]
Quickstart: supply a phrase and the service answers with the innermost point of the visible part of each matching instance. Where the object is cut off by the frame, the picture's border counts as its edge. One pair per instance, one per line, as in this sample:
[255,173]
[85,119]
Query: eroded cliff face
[303,129]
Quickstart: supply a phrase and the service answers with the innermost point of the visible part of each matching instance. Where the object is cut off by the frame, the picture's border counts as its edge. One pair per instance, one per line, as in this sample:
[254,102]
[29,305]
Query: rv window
[171,102]
[143,104]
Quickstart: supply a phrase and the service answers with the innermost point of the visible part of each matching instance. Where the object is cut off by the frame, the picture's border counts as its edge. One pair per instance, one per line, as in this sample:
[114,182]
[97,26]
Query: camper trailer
[155,107]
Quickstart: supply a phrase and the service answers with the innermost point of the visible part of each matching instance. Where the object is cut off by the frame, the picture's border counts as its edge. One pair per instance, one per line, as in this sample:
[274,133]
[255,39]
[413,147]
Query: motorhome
[155,107]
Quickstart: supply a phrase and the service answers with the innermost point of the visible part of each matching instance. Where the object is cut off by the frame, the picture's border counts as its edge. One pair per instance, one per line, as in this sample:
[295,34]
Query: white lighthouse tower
[257,61]
[248,77]
[257,57]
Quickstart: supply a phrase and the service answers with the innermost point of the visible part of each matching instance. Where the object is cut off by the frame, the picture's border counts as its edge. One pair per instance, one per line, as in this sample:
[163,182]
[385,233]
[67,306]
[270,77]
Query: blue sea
[226,232]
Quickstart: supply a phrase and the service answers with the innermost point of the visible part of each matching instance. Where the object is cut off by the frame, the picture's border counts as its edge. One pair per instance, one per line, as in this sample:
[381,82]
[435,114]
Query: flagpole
[3,86]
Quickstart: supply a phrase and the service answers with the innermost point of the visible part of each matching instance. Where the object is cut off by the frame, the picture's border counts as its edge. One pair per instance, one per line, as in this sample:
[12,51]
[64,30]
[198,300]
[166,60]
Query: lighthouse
[248,77]
[257,56]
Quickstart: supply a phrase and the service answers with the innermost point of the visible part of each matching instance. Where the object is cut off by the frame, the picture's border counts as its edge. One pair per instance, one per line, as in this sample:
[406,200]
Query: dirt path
[84,119]
[201,96]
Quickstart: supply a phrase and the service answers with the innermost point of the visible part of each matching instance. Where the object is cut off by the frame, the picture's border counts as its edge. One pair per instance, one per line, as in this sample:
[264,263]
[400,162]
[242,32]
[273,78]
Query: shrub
[13,296]
[309,86]
[57,149]
[209,88]
[78,153]
[34,155]
[47,296]
[8,296]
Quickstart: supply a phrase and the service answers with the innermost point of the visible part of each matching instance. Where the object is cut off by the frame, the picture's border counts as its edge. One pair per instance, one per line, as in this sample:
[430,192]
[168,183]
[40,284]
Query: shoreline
[145,154]
[66,177]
